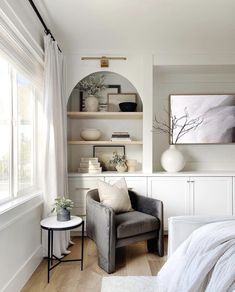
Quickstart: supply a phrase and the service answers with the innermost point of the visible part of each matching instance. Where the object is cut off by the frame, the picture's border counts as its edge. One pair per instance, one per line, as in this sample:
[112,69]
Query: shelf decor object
[105,153]
[90,134]
[172,159]
[92,85]
[114,99]
[128,106]
[131,165]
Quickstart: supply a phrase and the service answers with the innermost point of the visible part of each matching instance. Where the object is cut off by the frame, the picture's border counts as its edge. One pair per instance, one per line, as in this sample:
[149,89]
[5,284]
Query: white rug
[129,284]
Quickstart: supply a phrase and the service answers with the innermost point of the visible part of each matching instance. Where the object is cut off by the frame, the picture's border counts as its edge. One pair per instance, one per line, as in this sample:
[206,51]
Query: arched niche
[116,83]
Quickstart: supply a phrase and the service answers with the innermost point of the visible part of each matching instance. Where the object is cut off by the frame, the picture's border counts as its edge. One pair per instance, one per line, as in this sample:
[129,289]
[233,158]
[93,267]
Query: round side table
[51,224]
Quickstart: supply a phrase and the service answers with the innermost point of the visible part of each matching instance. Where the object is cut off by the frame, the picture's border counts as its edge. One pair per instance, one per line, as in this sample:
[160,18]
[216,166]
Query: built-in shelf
[105,142]
[105,115]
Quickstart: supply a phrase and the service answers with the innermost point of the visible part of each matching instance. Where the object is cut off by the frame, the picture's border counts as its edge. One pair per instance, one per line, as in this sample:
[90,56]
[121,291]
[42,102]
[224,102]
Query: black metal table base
[51,257]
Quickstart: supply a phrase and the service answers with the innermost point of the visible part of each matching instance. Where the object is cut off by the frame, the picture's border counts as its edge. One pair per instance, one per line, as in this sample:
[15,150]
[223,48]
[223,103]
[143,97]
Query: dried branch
[183,123]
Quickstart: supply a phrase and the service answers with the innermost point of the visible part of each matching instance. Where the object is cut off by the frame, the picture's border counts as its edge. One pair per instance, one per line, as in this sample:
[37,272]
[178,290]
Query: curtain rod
[47,30]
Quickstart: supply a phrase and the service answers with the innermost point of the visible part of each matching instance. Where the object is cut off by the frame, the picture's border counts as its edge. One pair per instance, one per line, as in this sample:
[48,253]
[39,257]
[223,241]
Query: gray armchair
[111,231]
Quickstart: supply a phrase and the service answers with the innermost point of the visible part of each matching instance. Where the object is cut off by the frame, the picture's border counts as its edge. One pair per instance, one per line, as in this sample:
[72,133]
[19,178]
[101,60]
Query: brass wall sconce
[104,61]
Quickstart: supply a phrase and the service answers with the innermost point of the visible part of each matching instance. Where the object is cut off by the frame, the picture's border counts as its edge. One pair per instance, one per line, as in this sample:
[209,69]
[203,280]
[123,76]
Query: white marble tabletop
[52,223]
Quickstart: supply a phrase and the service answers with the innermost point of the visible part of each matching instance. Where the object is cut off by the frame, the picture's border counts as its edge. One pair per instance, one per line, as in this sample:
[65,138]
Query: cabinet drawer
[78,188]
[136,184]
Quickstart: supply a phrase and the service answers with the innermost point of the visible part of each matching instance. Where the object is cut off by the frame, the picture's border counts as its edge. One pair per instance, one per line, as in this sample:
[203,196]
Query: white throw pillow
[115,196]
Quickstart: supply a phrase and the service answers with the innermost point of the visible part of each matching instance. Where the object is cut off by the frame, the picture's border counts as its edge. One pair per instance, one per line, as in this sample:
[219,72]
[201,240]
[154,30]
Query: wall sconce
[104,61]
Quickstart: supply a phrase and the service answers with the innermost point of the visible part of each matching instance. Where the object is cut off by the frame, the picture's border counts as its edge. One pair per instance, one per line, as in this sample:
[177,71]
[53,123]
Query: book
[121,139]
[120,136]
[86,170]
[120,133]
[89,159]
[90,164]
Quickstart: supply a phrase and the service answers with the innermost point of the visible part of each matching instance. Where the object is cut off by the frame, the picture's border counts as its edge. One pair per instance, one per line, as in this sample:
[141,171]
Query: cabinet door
[78,188]
[173,192]
[212,195]
[136,184]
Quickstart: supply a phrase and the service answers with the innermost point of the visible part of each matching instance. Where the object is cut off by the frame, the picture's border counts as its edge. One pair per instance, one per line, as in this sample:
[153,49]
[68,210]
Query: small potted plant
[119,162]
[92,85]
[63,207]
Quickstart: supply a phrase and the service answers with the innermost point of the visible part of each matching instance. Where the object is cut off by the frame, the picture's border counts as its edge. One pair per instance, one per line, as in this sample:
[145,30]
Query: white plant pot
[91,103]
[172,159]
[121,167]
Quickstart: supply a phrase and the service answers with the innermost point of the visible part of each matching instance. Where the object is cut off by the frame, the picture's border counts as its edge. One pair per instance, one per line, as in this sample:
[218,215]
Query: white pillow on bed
[115,196]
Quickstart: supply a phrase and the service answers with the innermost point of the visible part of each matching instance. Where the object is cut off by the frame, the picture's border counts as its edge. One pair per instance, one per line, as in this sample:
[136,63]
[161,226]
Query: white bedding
[204,262]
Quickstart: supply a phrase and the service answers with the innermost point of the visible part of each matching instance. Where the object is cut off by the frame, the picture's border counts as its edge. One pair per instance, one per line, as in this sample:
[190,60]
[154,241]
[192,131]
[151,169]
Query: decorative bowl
[128,106]
[90,134]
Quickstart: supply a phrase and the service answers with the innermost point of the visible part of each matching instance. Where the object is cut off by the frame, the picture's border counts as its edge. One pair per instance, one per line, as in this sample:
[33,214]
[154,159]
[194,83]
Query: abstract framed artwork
[202,118]
[105,153]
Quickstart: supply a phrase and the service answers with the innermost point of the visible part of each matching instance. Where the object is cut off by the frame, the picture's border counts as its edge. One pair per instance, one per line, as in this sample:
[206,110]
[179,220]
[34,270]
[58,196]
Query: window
[18,116]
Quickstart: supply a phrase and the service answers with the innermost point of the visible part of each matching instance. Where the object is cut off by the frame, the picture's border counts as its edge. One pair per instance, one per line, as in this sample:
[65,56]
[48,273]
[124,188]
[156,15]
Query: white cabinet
[181,195]
[173,192]
[211,196]
[78,188]
[136,184]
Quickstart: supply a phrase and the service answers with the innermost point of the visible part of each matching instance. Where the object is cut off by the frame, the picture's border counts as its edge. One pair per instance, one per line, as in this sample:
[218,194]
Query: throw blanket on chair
[205,262]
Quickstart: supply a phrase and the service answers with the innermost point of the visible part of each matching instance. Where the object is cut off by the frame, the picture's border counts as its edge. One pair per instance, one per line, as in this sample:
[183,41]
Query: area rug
[129,284]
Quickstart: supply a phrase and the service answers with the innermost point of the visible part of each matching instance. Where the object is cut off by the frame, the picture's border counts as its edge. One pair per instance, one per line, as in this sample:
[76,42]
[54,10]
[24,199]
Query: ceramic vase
[91,103]
[63,215]
[131,164]
[172,159]
[121,167]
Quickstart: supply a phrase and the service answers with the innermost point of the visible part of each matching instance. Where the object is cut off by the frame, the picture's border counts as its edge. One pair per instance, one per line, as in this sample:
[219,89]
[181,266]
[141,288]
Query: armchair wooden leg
[156,246]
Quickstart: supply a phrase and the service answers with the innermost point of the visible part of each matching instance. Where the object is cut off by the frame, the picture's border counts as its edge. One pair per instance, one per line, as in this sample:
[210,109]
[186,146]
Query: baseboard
[20,278]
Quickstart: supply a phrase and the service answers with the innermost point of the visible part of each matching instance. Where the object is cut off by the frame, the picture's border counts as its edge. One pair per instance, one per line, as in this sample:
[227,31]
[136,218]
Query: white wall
[20,234]
[189,80]
[20,244]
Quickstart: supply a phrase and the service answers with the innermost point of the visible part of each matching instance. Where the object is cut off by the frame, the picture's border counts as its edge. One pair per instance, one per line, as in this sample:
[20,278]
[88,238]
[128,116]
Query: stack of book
[103,107]
[120,136]
[89,165]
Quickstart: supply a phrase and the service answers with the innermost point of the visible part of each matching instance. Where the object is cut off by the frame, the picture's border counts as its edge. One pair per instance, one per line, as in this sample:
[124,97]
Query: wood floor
[131,261]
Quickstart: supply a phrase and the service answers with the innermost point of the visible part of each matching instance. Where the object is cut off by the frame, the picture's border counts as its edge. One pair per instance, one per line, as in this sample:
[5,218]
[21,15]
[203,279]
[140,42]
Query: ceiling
[157,26]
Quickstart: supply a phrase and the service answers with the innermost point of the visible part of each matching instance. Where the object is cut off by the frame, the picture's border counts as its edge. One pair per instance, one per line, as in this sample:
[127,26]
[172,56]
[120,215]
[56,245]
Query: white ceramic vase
[91,103]
[121,167]
[172,159]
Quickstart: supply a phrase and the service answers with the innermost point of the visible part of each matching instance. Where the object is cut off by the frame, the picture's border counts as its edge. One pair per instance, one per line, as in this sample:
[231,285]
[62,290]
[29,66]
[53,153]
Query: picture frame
[110,89]
[115,98]
[214,114]
[104,153]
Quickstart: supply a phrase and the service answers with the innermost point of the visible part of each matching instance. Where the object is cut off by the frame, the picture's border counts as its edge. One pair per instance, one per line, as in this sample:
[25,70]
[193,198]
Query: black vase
[63,215]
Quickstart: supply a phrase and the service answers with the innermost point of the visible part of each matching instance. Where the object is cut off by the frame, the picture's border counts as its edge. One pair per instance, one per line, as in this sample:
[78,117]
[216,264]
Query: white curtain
[55,140]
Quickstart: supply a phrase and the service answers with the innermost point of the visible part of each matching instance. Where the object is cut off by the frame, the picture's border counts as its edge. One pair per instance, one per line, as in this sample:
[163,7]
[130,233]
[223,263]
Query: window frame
[14,191]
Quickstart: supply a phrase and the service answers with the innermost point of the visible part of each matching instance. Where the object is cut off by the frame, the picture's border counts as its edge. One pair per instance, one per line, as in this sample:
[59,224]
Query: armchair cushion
[115,196]
[135,223]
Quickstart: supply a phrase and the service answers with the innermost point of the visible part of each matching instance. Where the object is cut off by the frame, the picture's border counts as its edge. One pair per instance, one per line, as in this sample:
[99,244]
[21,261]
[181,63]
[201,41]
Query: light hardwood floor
[131,261]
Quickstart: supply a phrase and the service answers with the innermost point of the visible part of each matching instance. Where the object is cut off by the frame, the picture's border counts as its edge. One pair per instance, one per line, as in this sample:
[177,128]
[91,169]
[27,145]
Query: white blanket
[204,262]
